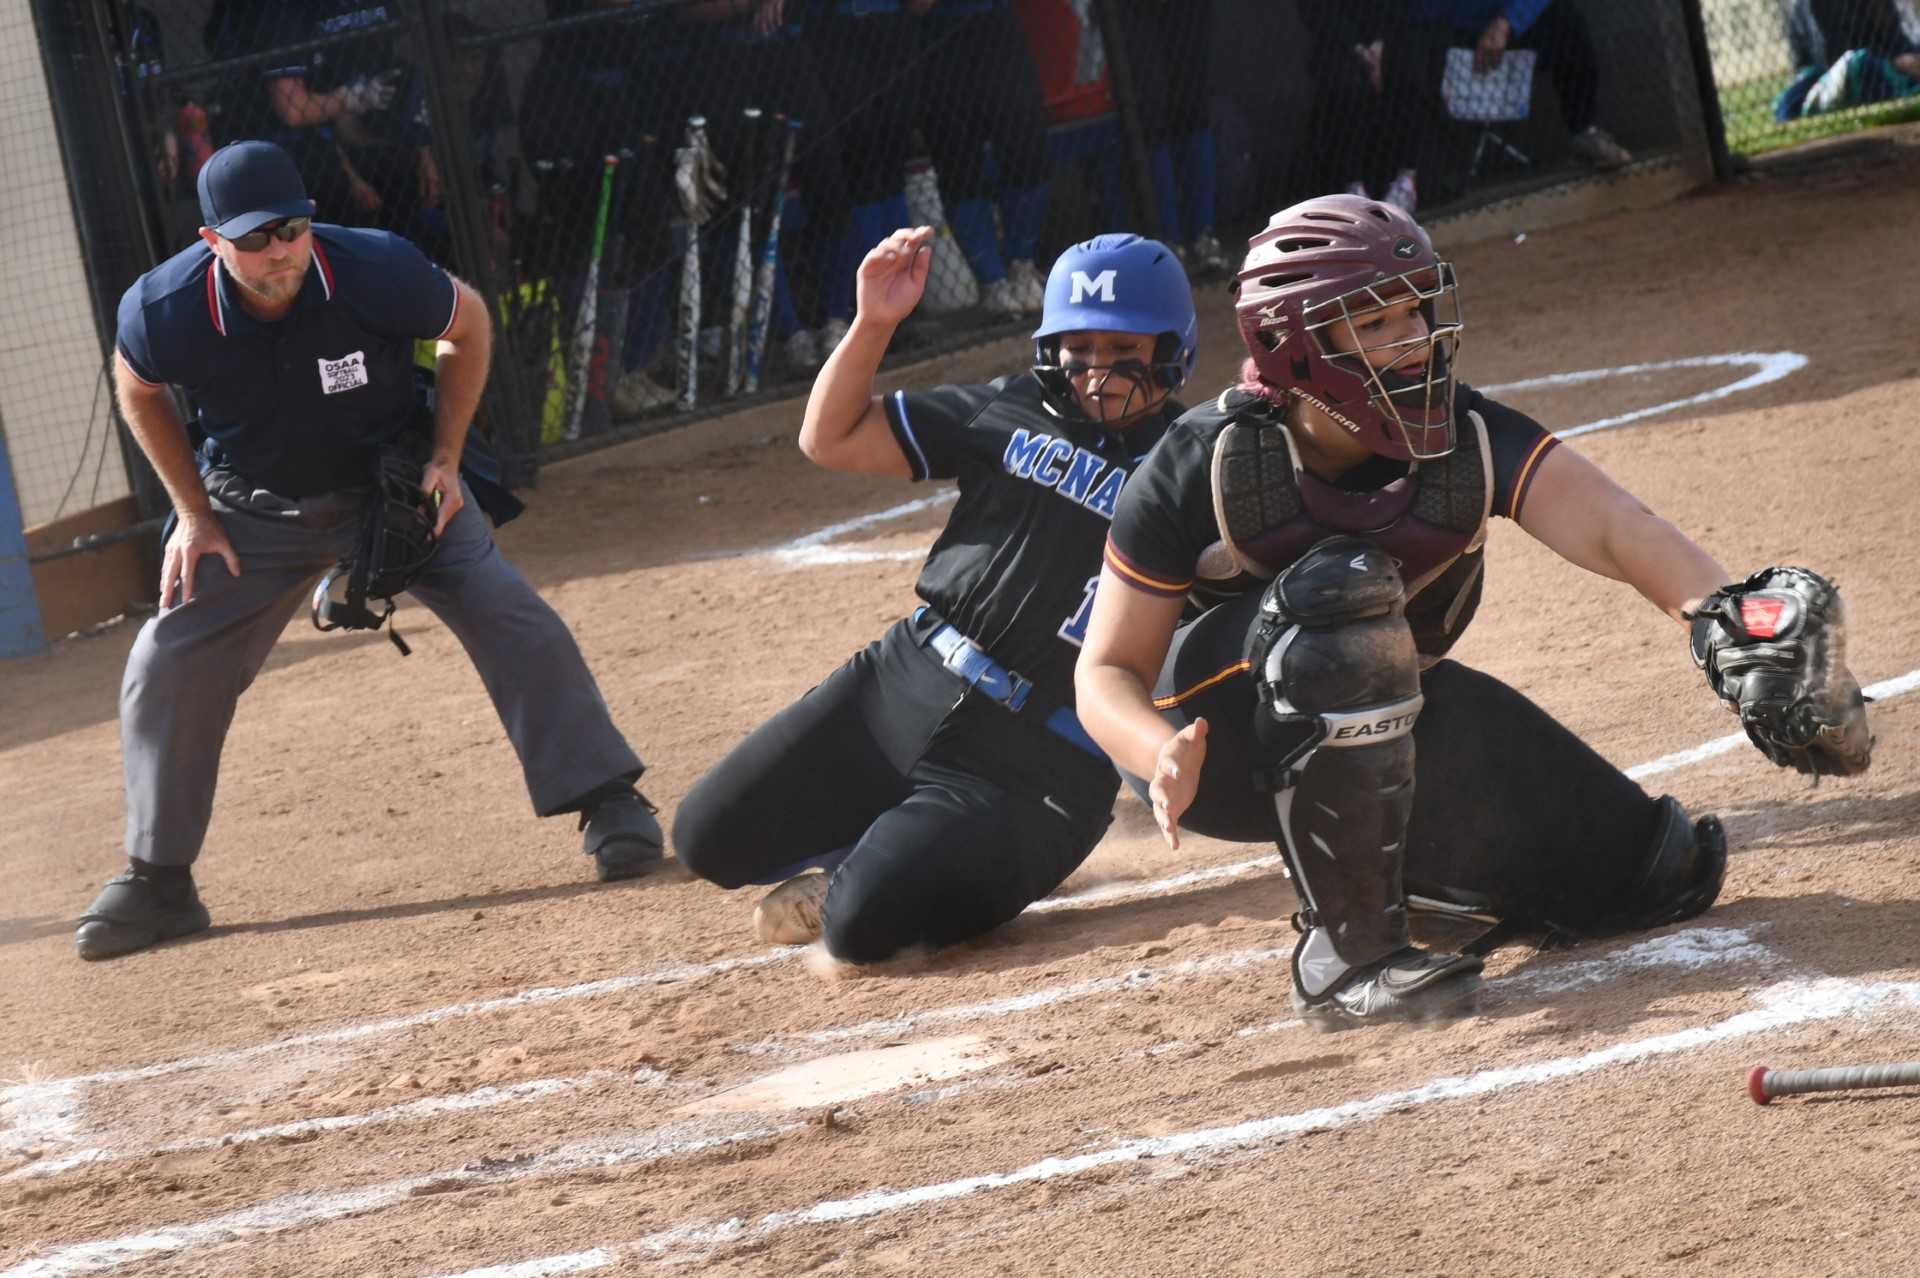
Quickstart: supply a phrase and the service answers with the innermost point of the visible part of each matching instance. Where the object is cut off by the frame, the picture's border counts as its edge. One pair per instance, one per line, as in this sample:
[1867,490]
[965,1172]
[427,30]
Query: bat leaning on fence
[610,322]
[740,291]
[579,366]
[690,179]
[788,132]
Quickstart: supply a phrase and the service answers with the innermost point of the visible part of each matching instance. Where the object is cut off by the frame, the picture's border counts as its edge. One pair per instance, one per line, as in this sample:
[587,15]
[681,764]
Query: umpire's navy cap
[245,185]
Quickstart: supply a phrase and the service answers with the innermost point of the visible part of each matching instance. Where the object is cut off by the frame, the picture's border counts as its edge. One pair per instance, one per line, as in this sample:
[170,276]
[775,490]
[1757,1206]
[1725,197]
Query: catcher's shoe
[621,834]
[134,911]
[790,914]
[1407,985]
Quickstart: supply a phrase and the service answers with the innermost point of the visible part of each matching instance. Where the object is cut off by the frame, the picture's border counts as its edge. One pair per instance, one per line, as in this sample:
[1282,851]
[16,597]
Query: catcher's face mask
[336,606]
[396,544]
[1399,334]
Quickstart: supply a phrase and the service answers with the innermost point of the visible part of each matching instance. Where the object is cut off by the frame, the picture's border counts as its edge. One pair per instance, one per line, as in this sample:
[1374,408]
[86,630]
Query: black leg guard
[1685,864]
[1339,691]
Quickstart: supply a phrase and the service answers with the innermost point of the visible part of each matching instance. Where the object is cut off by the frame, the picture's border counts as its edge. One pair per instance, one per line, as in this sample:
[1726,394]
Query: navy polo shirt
[297,406]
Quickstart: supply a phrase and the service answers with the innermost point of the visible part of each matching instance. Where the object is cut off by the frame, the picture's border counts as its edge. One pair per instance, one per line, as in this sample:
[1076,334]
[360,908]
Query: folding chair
[1500,96]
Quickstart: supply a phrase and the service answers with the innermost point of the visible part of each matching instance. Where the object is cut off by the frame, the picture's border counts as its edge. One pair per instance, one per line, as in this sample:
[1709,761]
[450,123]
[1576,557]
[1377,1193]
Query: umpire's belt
[970,661]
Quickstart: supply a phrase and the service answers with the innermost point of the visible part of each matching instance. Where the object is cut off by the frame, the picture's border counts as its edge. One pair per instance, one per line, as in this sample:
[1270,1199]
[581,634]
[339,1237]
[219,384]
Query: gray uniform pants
[191,663]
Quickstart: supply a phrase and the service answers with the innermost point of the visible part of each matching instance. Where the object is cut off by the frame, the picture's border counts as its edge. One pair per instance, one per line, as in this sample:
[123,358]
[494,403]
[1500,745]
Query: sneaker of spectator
[1000,300]
[1597,147]
[1401,193]
[801,351]
[1029,291]
[636,394]
[1205,255]
[831,334]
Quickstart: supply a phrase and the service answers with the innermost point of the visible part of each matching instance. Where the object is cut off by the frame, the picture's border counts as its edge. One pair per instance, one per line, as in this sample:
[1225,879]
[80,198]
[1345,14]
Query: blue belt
[997,683]
[985,675]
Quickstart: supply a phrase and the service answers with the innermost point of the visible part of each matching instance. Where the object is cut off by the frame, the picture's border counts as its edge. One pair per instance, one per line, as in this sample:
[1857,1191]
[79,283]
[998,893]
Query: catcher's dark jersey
[1167,520]
[1015,567]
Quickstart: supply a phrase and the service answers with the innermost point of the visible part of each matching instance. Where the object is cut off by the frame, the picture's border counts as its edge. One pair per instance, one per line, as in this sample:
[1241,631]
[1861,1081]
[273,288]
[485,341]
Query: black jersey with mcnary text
[1167,518]
[1015,567]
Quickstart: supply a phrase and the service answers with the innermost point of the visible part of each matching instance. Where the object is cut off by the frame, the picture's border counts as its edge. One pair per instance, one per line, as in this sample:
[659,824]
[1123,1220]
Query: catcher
[295,342]
[1326,519]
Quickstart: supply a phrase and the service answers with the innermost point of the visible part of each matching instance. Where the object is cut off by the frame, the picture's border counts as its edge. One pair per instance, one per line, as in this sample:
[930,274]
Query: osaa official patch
[349,372]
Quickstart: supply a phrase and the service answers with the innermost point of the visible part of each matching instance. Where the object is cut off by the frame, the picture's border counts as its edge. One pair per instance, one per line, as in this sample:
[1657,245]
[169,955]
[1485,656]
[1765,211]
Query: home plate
[852,1075]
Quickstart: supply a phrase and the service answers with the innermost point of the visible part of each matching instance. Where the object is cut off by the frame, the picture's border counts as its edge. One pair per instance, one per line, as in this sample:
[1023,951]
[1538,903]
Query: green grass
[1747,110]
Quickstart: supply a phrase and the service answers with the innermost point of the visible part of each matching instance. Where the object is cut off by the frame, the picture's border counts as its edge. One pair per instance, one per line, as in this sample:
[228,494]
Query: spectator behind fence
[1371,109]
[1168,47]
[868,55]
[1847,53]
[1556,29]
[985,121]
[172,126]
[352,114]
[1872,25]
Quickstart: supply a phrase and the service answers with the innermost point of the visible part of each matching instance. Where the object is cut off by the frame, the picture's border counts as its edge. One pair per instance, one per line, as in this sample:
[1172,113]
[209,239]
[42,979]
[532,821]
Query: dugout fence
[664,200]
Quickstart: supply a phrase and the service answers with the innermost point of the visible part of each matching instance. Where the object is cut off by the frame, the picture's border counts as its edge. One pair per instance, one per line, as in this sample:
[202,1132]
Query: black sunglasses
[286,232]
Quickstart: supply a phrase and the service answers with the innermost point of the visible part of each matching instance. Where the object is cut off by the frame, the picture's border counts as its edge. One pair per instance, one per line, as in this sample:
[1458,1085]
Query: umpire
[294,341]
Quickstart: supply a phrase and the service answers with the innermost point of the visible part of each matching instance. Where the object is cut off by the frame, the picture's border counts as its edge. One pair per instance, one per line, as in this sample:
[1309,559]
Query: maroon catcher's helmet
[1321,263]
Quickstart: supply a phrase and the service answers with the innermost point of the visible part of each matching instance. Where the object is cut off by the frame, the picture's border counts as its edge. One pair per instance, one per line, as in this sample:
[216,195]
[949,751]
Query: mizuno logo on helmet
[1085,286]
[1405,248]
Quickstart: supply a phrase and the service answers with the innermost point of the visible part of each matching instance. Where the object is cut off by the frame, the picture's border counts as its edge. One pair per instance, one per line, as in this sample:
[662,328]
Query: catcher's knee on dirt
[1338,683]
[1677,876]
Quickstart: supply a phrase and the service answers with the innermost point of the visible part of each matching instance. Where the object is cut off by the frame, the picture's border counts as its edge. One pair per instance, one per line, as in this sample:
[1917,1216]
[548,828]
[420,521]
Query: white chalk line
[1784,1004]
[1885,690]
[35,1109]
[491,1096]
[665,974]
[1138,978]
[39,1113]
[290,1211]
[815,549]
[1768,366]
[1689,950]
[1121,891]
[578,1262]
[1693,947]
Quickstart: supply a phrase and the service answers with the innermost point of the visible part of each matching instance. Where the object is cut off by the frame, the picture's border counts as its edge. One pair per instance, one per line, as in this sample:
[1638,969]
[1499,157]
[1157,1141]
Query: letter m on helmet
[1100,286]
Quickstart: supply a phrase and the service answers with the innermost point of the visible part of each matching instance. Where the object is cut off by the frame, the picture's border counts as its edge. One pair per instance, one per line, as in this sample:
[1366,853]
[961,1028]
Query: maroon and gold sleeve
[1164,518]
[1519,445]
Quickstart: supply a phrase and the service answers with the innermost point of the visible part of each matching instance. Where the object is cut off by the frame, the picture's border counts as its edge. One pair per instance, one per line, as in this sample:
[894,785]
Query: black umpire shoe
[135,910]
[622,835]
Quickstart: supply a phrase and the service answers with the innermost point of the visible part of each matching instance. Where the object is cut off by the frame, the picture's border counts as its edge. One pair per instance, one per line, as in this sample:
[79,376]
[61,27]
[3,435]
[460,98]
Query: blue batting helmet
[1119,284]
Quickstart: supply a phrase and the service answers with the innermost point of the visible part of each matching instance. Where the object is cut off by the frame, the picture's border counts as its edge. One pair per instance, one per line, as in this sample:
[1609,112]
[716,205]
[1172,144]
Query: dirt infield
[420,1041]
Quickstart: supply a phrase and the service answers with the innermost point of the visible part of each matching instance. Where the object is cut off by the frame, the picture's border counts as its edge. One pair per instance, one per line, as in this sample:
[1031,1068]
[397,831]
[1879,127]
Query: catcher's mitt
[1774,648]
[396,544]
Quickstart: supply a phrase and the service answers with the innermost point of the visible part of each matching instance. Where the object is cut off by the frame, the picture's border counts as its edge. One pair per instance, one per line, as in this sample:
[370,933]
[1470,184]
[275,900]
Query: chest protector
[1433,520]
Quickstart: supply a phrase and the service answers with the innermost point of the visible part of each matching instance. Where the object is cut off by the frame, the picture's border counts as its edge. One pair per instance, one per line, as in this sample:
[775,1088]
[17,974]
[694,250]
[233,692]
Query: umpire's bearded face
[272,275]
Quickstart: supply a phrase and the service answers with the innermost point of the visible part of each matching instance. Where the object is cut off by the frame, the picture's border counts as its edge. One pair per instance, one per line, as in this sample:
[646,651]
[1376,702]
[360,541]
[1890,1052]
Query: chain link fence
[1787,71]
[55,412]
[665,200]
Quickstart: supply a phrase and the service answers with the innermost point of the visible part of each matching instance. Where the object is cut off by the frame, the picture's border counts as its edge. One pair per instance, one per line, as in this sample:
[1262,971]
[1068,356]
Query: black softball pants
[955,814]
